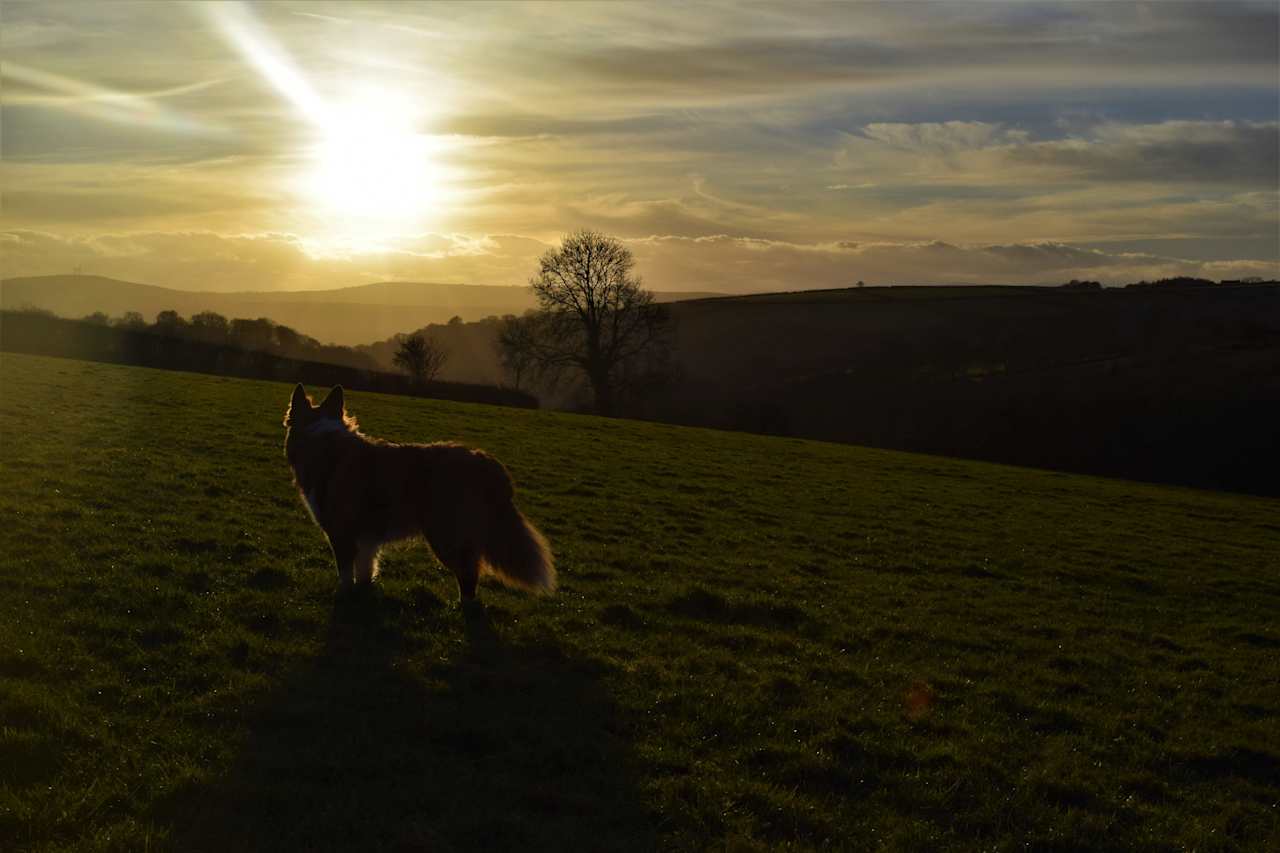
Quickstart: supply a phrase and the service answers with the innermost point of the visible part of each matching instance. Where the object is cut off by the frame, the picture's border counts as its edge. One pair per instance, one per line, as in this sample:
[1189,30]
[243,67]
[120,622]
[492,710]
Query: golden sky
[734,146]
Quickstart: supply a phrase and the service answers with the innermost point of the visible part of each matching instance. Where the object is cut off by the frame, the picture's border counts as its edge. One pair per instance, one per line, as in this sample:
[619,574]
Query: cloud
[900,126]
[1008,46]
[268,261]
[1232,152]
[942,137]
[275,261]
[134,196]
[1175,151]
[731,263]
[700,211]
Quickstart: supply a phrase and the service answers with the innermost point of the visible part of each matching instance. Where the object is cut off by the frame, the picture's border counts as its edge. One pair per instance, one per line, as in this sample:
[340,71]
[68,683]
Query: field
[759,643]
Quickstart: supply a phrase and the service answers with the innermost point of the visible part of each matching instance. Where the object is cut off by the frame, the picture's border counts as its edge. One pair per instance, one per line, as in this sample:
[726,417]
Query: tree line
[259,335]
[40,332]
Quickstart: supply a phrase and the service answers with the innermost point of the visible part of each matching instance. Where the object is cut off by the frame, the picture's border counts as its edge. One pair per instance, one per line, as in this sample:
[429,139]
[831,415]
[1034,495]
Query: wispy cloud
[42,88]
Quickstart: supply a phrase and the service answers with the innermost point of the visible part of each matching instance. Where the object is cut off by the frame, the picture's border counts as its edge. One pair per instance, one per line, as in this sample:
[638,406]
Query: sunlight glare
[372,173]
[371,162]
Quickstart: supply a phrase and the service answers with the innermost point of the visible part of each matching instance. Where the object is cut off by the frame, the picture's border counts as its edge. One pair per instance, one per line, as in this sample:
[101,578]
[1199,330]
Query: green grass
[758,644]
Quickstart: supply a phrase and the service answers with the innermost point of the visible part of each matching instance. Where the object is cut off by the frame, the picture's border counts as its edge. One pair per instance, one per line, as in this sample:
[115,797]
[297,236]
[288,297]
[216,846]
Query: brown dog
[365,493]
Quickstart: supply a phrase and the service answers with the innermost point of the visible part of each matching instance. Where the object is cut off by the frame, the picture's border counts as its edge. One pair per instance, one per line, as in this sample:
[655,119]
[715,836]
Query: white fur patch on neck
[326,425]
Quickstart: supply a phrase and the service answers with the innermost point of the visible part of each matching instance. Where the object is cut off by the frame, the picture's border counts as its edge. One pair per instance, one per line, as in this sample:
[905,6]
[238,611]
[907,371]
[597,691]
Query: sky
[733,146]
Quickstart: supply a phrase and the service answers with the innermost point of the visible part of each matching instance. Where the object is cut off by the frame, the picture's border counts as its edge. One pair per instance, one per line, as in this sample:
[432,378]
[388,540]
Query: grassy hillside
[1166,384]
[758,644]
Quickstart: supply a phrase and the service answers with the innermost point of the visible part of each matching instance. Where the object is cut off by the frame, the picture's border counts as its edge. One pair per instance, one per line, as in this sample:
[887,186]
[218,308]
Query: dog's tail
[512,549]
[516,553]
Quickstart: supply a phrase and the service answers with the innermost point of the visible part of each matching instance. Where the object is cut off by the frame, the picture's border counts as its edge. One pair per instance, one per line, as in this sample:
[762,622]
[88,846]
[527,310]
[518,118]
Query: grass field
[758,644]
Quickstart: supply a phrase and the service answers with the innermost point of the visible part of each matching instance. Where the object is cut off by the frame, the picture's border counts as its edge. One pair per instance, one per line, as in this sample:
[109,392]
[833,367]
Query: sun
[370,173]
[372,166]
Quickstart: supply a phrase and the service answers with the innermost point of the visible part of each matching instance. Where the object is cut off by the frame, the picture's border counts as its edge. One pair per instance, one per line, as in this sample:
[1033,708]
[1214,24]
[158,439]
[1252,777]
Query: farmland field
[758,643]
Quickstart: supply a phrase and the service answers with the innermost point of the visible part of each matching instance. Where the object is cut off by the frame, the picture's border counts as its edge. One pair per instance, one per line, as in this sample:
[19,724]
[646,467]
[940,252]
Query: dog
[365,493]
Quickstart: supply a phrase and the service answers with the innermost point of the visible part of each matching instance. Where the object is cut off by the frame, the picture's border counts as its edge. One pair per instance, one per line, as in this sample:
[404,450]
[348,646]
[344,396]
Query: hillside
[759,643]
[349,315]
[950,331]
[1163,384]
[1167,384]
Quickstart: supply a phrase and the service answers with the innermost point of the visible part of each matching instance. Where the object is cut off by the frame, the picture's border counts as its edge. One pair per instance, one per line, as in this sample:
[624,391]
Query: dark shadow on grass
[706,606]
[503,748]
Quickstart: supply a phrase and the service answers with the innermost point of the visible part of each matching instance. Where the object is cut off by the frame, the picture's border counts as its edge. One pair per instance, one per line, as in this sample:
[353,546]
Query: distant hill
[1172,384]
[348,315]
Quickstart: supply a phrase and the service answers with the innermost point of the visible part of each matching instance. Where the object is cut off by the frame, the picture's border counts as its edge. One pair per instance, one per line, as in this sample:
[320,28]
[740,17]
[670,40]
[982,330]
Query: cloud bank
[947,141]
[719,262]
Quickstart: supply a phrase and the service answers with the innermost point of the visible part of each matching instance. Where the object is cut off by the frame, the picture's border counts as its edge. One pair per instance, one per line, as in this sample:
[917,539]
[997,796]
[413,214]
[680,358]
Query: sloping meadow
[758,643]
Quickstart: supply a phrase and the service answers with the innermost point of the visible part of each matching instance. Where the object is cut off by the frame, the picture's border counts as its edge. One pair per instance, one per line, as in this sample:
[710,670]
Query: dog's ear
[332,407]
[298,403]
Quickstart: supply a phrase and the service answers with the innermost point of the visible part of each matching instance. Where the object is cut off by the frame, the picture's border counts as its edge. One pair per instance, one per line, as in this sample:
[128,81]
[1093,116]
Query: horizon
[287,147]
[334,288]
[691,294]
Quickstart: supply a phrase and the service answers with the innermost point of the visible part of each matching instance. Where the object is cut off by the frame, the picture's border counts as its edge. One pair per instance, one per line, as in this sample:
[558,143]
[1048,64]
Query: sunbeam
[240,27]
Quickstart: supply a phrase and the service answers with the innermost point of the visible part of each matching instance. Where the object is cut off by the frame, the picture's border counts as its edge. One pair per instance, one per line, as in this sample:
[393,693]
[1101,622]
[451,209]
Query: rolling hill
[759,643]
[1162,383]
[347,316]
[1158,383]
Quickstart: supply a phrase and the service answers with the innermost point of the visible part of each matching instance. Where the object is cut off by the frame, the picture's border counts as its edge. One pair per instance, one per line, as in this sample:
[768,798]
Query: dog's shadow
[502,748]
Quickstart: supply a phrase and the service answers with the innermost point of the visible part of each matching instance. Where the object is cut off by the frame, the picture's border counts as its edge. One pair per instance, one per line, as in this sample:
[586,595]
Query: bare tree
[517,341]
[593,319]
[420,357]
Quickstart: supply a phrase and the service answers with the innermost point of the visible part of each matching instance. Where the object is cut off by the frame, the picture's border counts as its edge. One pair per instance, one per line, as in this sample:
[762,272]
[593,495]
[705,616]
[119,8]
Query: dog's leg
[465,566]
[366,563]
[344,553]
